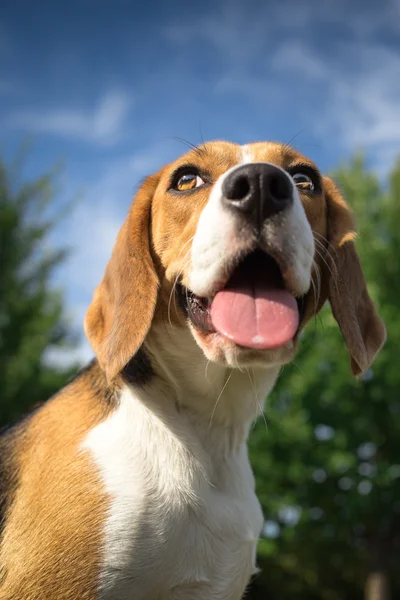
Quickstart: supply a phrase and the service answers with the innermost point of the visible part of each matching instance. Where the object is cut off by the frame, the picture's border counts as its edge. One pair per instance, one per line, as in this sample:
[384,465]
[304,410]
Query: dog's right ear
[123,305]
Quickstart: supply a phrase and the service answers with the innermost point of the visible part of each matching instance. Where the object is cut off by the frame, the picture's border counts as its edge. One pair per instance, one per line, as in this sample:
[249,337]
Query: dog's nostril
[239,190]
[258,190]
[278,188]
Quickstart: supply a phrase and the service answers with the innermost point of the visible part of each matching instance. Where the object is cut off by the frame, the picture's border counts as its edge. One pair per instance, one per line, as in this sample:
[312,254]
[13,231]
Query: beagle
[133,482]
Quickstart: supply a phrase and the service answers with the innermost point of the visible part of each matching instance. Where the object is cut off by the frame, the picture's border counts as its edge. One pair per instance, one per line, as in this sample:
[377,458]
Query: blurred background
[93,96]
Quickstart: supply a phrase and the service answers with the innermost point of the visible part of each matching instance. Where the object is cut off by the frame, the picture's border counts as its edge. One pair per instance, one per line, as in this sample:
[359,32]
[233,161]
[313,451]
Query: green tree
[328,465]
[31,310]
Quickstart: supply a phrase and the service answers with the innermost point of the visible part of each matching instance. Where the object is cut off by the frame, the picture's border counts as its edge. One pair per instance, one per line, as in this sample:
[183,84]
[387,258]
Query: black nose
[259,190]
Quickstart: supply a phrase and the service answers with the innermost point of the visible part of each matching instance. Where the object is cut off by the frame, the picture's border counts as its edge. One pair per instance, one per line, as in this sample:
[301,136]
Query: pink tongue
[255,313]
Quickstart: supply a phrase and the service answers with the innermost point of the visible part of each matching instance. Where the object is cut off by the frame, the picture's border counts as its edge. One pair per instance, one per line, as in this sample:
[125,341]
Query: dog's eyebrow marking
[246,154]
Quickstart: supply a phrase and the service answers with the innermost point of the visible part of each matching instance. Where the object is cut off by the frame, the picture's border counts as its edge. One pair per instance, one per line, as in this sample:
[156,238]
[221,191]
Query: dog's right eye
[303,181]
[189,181]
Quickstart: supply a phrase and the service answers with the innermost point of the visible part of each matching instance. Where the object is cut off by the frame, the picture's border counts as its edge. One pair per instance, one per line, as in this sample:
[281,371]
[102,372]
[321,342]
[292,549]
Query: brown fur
[124,303]
[353,309]
[51,547]
[53,503]
[140,276]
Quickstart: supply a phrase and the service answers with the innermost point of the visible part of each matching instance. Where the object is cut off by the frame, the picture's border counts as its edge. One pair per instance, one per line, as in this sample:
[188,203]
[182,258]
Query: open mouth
[254,309]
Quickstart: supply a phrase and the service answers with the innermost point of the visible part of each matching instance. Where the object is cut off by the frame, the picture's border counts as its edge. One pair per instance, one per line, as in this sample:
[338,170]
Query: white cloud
[345,91]
[361,110]
[238,30]
[105,123]
[295,57]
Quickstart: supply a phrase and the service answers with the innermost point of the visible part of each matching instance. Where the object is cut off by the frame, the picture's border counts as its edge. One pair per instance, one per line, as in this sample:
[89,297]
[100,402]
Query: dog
[133,482]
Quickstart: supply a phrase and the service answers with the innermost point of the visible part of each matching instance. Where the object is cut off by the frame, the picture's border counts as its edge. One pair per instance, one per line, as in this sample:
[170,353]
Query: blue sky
[104,86]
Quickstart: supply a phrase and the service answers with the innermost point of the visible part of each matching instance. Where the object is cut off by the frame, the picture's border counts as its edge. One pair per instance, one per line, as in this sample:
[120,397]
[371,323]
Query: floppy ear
[352,307]
[123,305]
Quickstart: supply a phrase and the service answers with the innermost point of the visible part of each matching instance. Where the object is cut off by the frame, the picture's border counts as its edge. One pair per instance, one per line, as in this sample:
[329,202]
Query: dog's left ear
[362,328]
[123,305]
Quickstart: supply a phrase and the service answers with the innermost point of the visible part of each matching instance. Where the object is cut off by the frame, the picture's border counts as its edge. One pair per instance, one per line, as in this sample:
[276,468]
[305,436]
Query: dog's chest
[183,520]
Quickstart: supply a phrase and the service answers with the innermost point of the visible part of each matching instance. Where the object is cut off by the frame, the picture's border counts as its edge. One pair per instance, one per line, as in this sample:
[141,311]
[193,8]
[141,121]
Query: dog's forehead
[222,155]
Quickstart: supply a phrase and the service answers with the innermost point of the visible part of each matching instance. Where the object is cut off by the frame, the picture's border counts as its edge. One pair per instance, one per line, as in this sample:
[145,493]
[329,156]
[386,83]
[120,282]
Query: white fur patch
[217,238]
[184,519]
[247,154]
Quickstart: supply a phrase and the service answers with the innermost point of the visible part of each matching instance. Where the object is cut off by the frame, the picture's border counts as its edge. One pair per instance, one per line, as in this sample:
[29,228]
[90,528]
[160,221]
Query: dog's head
[243,245]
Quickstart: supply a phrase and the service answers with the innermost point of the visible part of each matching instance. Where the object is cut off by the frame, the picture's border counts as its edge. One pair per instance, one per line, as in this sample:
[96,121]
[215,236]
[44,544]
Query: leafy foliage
[31,311]
[328,466]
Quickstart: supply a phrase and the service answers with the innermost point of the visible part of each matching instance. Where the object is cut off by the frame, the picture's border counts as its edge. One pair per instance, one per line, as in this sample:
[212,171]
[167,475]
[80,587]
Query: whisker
[321,323]
[185,244]
[253,385]
[167,330]
[325,239]
[330,250]
[218,399]
[176,281]
[235,360]
[333,275]
[327,251]
[172,294]
[316,299]
[314,291]
[298,367]
[201,134]
[318,277]
[200,150]
[288,144]
[206,369]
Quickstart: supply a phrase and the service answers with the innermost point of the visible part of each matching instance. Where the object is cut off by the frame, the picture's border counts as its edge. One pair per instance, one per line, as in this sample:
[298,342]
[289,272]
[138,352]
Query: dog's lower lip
[200,301]
[197,309]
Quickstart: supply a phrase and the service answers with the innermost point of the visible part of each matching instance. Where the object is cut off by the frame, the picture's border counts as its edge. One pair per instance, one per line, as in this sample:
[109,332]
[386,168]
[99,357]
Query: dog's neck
[218,398]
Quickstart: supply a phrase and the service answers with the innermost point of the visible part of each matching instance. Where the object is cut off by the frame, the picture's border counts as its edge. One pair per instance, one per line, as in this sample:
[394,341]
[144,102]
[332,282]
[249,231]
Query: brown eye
[189,181]
[303,182]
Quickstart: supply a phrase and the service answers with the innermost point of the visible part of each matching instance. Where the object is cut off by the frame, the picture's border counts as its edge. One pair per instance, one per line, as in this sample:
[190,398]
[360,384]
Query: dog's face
[229,226]
[242,244]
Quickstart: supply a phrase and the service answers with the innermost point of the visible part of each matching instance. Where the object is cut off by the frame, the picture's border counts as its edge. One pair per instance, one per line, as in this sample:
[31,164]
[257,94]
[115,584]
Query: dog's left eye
[303,182]
[189,181]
